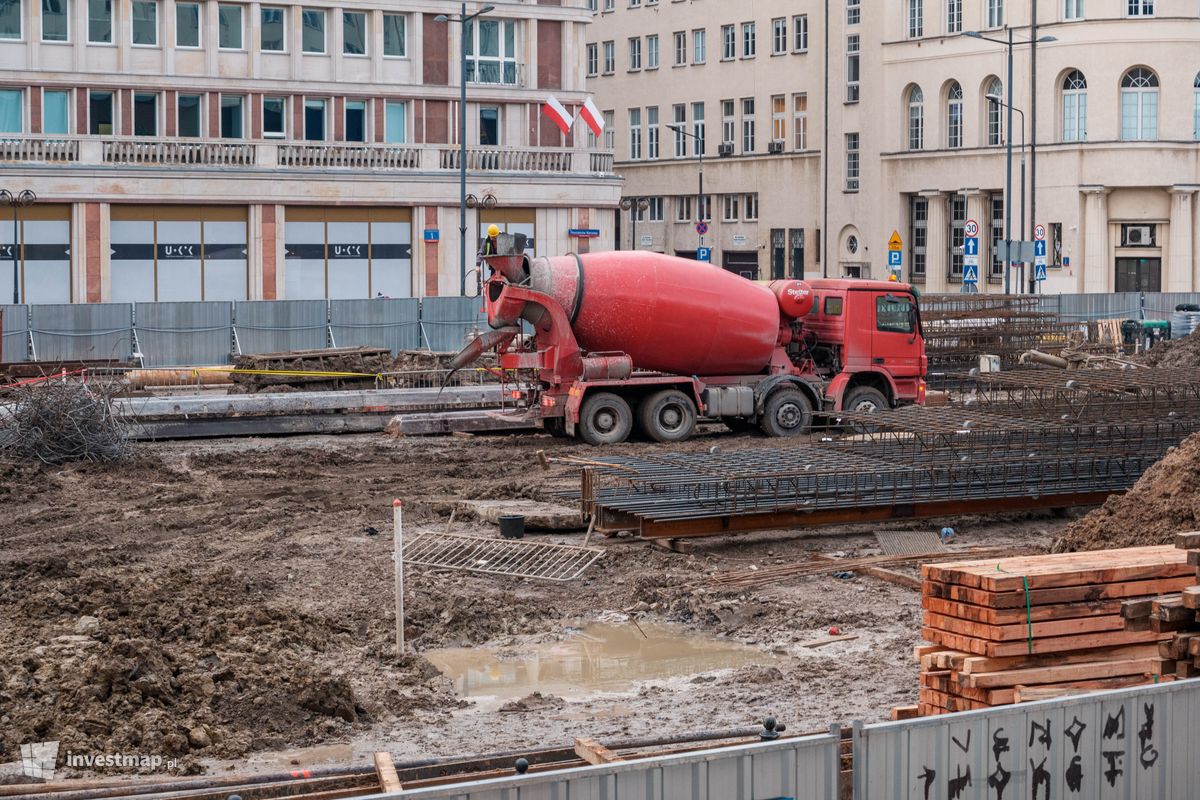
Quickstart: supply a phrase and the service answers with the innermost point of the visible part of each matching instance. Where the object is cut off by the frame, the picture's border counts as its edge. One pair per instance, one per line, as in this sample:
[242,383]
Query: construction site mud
[217,600]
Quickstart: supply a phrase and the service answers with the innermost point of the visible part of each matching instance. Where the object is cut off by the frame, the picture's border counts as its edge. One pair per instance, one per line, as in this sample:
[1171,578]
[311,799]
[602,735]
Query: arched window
[1139,104]
[1196,109]
[1074,107]
[916,118]
[995,128]
[954,116]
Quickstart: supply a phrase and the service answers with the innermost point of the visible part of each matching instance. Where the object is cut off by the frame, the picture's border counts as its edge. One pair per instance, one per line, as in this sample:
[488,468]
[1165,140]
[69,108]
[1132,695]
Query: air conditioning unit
[776,146]
[1138,236]
[726,149]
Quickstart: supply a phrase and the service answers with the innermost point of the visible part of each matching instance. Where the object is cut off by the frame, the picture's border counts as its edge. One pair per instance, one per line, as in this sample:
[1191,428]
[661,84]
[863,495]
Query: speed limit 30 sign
[971,229]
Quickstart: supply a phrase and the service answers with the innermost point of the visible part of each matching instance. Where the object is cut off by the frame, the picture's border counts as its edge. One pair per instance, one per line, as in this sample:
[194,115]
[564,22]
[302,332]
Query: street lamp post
[996,99]
[635,205]
[462,18]
[1009,43]
[700,188]
[17,200]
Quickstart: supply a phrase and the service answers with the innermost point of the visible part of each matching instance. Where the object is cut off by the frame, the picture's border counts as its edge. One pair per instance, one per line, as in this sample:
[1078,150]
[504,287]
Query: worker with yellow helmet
[489,242]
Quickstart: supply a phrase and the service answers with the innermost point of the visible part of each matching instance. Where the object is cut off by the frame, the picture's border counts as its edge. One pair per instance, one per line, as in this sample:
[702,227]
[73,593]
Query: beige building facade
[209,150]
[898,104]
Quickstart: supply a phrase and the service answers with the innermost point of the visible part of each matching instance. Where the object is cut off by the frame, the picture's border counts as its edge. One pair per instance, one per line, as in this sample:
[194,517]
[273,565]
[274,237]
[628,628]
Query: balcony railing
[269,154]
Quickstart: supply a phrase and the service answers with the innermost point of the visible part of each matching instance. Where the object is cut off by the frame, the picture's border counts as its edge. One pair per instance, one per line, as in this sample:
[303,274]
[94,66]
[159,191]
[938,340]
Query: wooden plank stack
[1175,616]
[1031,627]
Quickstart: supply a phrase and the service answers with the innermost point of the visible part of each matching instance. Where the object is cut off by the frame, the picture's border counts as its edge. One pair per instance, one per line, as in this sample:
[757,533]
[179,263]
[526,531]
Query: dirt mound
[1165,501]
[1183,352]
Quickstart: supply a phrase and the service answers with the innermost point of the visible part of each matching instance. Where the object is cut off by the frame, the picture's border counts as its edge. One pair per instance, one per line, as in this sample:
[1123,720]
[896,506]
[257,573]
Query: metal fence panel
[14,336]
[184,334]
[394,323]
[82,332]
[1162,305]
[1124,745]
[1084,307]
[803,769]
[277,326]
[446,321]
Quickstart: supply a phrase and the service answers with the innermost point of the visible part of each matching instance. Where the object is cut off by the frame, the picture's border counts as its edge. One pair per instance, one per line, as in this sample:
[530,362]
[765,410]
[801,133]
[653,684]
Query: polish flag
[592,117]
[555,111]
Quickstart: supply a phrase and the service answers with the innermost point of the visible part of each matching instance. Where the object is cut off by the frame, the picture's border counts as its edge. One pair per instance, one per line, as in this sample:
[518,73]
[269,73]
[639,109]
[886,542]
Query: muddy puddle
[598,658]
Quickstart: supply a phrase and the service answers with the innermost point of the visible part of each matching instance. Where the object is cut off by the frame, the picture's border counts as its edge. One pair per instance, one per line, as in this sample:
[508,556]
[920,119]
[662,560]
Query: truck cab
[866,340]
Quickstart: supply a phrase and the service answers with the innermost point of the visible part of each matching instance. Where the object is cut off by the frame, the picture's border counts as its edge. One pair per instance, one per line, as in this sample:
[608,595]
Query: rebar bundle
[56,421]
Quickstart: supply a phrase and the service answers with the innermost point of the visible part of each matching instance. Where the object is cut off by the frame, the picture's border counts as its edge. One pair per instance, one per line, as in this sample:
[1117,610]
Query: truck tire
[667,416]
[605,418]
[788,412]
[864,400]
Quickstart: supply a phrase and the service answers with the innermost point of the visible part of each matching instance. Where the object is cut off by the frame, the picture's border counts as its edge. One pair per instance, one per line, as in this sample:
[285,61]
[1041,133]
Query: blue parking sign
[704,254]
[895,258]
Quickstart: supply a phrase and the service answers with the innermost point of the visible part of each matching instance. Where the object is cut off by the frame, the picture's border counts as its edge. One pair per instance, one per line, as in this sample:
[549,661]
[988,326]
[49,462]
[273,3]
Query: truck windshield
[894,314]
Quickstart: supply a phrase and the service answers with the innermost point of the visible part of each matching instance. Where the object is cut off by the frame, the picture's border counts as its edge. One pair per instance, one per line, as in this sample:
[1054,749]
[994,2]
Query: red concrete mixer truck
[626,340]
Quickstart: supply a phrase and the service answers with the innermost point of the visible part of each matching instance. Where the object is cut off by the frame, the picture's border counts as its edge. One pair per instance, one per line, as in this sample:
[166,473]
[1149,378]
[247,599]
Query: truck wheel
[788,412]
[605,419]
[667,416]
[864,400]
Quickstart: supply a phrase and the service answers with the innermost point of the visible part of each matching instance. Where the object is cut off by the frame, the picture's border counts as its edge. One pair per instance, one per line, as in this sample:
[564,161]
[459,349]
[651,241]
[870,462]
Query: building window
[12,103]
[271,36]
[99,21]
[652,52]
[635,3]
[678,127]
[56,111]
[853,12]
[652,132]
[852,71]
[1136,235]
[144,30]
[100,113]
[1056,244]
[918,235]
[698,129]
[995,13]
[995,128]
[680,48]
[800,120]
[954,15]
[1139,105]
[356,120]
[593,60]
[852,155]
[729,211]
[727,122]
[635,53]
[728,42]
[795,254]
[954,116]
[395,35]
[395,122]
[354,33]
[958,221]
[610,134]
[1074,107]
[274,118]
[359,253]
[800,33]
[1196,108]
[229,30]
[610,58]
[916,118]
[492,51]
[635,134]
[54,21]
[313,39]
[145,114]
[232,115]
[489,125]
[10,19]
[187,24]
[750,207]
[779,119]
[1139,8]
[996,236]
[683,209]
[610,5]
[916,19]
[749,39]
[699,46]
[314,119]
[748,127]
[779,36]
[187,115]
[1072,9]
[655,213]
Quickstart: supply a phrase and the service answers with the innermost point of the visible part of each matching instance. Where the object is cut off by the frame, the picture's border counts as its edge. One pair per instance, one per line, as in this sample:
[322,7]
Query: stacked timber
[1175,616]
[1031,627]
[325,369]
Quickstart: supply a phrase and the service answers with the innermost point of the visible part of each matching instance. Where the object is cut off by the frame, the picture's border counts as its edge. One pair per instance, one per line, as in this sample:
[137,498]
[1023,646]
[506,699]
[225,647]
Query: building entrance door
[1139,275]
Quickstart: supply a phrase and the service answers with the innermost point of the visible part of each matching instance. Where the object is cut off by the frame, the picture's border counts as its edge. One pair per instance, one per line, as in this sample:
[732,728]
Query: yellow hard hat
[493,230]
[893,277]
